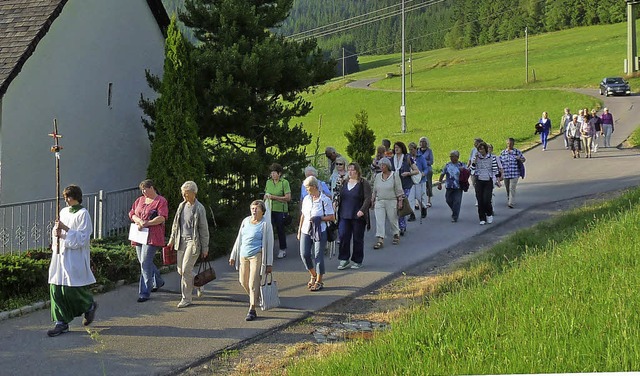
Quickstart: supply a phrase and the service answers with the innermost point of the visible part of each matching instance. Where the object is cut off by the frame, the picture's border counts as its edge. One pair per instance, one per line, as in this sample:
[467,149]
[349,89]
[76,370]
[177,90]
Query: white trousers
[386,210]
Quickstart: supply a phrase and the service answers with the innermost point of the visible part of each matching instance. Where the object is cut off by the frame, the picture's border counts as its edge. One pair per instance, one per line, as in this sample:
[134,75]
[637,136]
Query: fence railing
[28,225]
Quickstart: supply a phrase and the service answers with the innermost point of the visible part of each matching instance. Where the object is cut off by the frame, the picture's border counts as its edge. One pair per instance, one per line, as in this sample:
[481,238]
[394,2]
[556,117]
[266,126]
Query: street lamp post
[403,107]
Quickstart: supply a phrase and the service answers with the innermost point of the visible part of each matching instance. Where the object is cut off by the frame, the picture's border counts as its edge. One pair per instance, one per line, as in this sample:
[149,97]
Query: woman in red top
[149,211]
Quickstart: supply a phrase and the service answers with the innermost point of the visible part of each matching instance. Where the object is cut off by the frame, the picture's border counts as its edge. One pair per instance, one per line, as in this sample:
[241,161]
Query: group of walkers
[333,213]
[581,131]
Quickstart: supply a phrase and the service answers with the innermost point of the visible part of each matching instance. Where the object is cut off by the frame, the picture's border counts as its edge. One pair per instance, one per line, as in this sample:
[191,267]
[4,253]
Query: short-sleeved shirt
[315,208]
[251,239]
[147,212]
[280,188]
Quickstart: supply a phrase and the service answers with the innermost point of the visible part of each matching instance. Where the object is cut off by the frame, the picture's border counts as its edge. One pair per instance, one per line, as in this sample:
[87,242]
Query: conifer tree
[249,88]
[361,146]
[177,154]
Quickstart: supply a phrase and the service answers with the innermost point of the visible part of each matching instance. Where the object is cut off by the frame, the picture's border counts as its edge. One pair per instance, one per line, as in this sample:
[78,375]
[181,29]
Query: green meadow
[560,297]
[458,95]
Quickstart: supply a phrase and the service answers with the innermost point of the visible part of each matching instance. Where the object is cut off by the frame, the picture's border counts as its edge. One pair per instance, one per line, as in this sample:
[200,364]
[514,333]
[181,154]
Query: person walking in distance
[607,127]
[511,159]
[454,189]
[566,119]
[545,122]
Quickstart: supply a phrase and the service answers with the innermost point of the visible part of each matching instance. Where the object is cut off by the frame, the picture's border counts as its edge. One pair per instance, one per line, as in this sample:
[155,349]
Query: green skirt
[68,302]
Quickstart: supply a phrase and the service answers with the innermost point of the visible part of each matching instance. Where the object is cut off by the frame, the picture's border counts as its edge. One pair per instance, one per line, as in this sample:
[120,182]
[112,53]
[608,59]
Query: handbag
[416,178]
[332,228]
[169,255]
[406,208]
[205,274]
[269,297]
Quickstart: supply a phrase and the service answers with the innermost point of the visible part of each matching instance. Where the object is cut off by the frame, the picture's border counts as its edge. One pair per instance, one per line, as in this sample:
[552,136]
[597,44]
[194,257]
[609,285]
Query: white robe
[71,266]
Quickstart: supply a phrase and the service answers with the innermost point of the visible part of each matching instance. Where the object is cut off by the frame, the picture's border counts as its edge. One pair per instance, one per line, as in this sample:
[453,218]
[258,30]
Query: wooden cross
[56,148]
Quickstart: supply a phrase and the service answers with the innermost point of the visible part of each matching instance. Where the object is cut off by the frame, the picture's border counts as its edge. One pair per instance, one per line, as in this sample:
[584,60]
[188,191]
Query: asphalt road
[155,337]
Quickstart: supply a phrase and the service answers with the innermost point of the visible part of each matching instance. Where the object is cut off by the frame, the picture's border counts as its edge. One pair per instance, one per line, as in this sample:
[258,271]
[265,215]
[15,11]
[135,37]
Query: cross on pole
[56,148]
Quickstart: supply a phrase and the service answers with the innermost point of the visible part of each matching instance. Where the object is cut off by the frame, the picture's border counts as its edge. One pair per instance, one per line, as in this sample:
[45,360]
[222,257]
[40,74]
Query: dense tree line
[452,23]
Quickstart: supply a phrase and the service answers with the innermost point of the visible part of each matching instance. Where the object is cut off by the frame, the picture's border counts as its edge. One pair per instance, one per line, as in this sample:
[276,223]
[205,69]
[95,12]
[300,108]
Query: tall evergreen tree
[361,147]
[177,154]
[249,86]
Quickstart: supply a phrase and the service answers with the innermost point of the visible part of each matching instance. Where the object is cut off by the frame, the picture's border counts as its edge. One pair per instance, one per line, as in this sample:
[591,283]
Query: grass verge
[559,297]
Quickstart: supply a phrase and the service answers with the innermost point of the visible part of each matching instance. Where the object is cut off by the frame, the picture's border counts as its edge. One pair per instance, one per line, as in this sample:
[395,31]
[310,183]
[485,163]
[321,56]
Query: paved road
[157,338]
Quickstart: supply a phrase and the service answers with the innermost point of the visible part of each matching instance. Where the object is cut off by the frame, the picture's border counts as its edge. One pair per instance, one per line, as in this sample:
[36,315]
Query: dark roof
[23,23]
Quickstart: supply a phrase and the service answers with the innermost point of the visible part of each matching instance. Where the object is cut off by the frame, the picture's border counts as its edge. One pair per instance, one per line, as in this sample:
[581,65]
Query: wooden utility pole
[56,148]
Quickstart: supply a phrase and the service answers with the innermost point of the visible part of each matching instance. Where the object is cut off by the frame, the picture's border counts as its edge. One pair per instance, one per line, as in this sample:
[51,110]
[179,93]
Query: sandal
[317,286]
[379,244]
[396,239]
[311,282]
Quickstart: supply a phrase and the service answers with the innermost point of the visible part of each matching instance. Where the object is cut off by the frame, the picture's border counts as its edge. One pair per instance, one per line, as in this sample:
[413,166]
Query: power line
[392,13]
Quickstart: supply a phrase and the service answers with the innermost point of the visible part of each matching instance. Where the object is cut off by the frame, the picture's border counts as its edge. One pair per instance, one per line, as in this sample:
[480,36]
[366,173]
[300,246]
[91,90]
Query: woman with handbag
[279,192]
[353,214]
[190,237]
[316,211]
[404,166]
[149,211]
[252,253]
[387,198]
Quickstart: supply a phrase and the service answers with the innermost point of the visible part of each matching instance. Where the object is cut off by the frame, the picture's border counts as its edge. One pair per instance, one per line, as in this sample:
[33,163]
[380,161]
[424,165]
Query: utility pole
[343,61]
[403,107]
[410,66]
[526,53]
[632,49]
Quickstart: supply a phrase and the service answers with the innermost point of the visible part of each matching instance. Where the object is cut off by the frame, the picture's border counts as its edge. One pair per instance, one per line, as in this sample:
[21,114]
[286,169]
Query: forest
[431,24]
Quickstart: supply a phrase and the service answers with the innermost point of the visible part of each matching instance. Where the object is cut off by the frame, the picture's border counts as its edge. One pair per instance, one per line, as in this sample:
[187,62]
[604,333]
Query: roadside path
[155,337]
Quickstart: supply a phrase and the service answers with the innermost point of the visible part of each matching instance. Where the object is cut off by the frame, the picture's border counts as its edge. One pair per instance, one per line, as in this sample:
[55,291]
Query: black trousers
[484,192]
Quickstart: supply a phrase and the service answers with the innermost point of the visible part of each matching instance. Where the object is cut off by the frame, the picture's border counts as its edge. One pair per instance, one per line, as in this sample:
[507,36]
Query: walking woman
[453,193]
[545,122]
[387,198]
[149,211]
[486,171]
[404,166]
[279,192]
[190,236]
[353,214]
[252,253]
[316,211]
[70,272]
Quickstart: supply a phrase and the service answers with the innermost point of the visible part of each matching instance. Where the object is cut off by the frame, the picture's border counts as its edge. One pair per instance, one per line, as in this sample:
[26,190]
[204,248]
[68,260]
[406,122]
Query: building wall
[91,44]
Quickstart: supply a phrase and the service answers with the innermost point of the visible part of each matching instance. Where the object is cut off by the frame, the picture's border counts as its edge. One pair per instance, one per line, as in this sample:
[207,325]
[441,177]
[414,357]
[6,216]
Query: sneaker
[252,315]
[511,206]
[58,329]
[356,266]
[200,291]
[343,264]
[489,219]
[157,287]
[282,253]
[142,299]
[183,303]
[90,314]
[482,223]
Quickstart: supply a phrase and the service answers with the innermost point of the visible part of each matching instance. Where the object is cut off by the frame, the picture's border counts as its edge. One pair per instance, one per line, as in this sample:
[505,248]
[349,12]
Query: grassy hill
[458,95]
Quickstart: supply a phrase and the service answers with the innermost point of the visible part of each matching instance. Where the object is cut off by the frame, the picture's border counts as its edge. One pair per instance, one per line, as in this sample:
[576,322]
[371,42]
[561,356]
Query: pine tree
[250,85]
[361,147]
[177,154]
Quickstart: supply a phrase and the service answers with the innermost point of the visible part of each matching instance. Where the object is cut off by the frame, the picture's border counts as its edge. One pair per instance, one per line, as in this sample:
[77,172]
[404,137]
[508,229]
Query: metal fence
[28,225]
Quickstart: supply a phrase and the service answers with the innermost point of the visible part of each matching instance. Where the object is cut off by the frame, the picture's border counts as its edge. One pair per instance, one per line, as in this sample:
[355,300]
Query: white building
[83,63]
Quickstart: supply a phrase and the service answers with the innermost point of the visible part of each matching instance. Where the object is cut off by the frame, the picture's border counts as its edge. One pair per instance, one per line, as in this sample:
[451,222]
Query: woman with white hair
[316,211]
[190,236]
[311,171]
[387,198]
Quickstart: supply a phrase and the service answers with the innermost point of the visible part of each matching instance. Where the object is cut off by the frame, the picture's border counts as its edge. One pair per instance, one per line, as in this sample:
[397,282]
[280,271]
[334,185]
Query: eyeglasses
[339,164]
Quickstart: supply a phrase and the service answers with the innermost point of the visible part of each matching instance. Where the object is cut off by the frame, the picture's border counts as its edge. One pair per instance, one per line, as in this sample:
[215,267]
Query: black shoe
[423,213]
[156,288]
[412,217]
[58,329]
[90,314]
[252,315]
[142,300]
[416,207]
[402,232]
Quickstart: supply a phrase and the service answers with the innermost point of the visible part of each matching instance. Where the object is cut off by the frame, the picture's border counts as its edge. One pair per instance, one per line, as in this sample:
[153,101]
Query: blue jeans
[277,219]
[317,257]
[544,137]
[150,275]
[347,229]
[454,200]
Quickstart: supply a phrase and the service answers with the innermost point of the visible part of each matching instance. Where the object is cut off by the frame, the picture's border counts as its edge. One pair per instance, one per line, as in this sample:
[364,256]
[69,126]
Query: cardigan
[200,228]
[267,245]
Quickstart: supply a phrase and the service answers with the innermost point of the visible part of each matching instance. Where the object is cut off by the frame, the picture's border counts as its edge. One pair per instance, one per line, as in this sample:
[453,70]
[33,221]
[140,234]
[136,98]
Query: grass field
[495,103]
[559,297]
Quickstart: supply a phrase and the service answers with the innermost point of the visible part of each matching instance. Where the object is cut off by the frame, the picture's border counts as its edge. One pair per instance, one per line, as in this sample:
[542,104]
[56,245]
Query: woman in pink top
[149,211]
